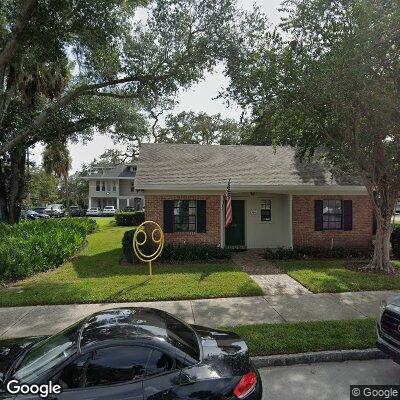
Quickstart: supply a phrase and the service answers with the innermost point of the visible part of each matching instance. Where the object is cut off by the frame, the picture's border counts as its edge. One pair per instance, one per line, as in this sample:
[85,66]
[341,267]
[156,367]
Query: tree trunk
[384,203]
[17,184]
[66,193]
[381,259]
[3,193]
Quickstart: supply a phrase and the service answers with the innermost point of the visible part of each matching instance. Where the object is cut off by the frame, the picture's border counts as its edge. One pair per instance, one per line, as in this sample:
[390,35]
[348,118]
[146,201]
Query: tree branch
[10,47]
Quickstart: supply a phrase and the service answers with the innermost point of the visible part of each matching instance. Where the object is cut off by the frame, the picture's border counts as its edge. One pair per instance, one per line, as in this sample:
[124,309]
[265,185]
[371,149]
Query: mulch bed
[361,266]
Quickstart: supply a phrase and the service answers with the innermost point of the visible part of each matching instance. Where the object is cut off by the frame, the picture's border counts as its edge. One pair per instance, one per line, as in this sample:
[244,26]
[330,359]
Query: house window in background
[97,186]
[185,216]
[132,186]
[265,210]
[114,186]
[103,186]
[332,215]
[137,203]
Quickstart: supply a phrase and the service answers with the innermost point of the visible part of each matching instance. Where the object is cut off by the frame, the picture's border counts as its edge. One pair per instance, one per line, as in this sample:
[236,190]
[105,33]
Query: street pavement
[46,320]
[326,381]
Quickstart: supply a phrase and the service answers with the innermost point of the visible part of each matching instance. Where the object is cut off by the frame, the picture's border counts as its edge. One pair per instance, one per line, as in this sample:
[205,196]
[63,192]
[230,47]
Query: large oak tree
[333,84]
[53,53]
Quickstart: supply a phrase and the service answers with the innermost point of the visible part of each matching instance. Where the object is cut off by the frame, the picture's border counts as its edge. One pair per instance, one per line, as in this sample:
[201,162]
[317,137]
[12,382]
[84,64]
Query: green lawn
[95,275]
[300,337]
[332,276]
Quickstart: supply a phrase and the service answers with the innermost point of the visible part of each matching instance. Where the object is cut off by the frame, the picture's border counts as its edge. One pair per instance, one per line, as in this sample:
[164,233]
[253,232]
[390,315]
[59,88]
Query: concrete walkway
[46,320]
[266,275]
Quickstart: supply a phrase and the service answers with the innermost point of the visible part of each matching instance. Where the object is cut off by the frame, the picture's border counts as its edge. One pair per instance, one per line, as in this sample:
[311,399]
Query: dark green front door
[234,234]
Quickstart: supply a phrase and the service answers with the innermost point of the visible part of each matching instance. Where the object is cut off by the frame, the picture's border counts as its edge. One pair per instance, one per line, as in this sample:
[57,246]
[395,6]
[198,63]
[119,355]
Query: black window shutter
[168,216]
[347,215]
[319,221]
[201,216]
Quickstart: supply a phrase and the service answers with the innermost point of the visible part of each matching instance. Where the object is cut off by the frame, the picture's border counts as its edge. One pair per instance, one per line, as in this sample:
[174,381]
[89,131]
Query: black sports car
[132,353]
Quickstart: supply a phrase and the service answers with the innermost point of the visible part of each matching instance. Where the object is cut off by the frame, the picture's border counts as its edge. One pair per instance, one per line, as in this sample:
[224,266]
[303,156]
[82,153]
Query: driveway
[326,381]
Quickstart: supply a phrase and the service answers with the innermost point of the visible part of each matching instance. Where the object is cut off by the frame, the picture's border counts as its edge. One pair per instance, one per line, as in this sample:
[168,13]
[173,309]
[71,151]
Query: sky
[200,97]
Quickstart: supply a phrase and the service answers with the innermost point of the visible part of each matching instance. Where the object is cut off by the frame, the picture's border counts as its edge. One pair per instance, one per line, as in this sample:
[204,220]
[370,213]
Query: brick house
[277,200]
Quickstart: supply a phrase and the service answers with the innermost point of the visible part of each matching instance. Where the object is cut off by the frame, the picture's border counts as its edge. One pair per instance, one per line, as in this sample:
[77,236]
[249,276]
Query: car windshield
[47,354]
[109,208]
[94,208]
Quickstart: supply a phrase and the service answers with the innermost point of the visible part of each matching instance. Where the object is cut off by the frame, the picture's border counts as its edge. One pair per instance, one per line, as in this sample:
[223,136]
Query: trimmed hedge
[395,241]
[194,252]
[34,246]
[123,218]
[127,247]
[298,253]
[172,252]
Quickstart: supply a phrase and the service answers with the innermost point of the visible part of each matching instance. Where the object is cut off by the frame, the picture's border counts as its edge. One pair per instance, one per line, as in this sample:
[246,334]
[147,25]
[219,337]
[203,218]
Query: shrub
[297,253]
[189,252]
[34,246]
[194,252]
[395,241]
[123,218]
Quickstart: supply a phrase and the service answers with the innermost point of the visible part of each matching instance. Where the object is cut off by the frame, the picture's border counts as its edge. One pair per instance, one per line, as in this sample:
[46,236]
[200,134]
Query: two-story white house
[114,186]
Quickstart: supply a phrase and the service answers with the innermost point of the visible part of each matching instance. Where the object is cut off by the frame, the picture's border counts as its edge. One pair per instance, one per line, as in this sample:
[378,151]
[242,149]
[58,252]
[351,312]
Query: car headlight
[383,305]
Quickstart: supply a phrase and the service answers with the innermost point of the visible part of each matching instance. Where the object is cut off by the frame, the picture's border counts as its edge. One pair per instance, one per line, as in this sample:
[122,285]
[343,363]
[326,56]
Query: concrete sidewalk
[46,320]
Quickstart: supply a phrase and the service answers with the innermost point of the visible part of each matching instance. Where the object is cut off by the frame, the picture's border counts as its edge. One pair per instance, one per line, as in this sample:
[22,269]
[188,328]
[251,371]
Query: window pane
[332,214]
[265,210]
[184,215]
[158,363]
[116,364]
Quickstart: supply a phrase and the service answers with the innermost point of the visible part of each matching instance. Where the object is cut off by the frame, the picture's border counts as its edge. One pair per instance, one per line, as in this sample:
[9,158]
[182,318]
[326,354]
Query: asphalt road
[326,381]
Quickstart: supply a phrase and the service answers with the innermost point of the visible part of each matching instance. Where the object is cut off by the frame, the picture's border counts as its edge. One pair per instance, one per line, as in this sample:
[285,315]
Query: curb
[316,357]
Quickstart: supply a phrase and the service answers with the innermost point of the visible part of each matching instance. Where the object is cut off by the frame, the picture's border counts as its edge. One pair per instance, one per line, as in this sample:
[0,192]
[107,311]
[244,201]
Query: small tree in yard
[334,86]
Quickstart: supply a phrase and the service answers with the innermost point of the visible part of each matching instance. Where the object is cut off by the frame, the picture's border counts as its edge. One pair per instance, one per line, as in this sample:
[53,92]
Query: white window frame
[270,209]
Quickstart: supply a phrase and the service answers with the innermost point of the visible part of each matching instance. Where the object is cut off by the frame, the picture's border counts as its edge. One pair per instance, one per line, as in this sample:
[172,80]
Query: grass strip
[300,337]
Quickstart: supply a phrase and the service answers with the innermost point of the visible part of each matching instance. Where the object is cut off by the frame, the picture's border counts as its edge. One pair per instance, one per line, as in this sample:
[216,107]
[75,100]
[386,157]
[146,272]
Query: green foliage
[42,188]
[201,128]
[127,247]
[395,241]
[194,252]
[298,253]
[34,246]
[135,218]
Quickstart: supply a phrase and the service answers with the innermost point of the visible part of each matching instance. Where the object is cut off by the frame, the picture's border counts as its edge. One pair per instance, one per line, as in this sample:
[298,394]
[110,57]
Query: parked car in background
[93,212]
[55,210]
[129,209]
[31,214]
[109,211]
[39,210]
[28,214]
[76,211]
[134,353]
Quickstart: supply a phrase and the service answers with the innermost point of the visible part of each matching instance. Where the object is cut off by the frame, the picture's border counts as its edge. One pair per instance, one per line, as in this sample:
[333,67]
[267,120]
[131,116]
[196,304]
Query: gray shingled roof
[118,171]
[197,165]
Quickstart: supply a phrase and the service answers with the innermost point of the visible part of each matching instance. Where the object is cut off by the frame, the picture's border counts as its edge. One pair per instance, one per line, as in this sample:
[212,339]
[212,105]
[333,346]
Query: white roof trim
[257,188]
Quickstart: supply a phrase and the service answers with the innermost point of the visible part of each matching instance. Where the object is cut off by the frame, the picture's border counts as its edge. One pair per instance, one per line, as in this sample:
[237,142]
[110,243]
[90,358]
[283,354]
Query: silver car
[388,328]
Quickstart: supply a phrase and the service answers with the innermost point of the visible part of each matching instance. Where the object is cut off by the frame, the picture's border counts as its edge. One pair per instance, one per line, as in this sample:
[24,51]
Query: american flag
[228,210]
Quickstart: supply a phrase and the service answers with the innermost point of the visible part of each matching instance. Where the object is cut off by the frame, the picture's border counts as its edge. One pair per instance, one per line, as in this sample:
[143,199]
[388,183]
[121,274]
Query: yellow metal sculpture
[140,239]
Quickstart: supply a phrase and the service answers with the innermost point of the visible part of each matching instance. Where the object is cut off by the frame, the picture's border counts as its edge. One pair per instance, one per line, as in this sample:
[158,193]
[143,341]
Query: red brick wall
[155,209]
[304,233]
